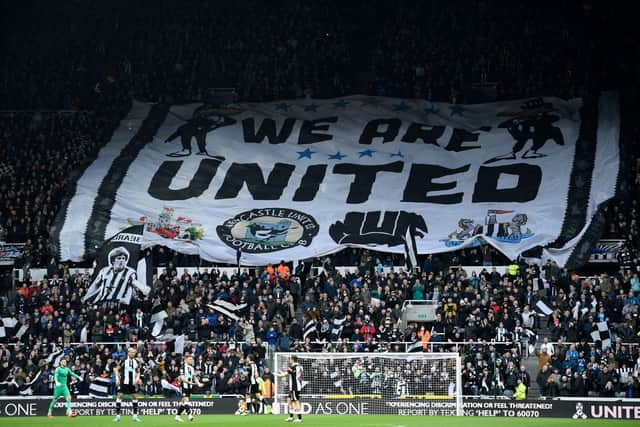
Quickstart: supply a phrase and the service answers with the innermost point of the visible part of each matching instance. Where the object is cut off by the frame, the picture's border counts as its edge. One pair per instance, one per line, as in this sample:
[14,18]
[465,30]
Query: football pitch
[315,420]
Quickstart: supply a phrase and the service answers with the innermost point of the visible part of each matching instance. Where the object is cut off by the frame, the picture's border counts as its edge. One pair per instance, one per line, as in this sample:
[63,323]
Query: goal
[374,383]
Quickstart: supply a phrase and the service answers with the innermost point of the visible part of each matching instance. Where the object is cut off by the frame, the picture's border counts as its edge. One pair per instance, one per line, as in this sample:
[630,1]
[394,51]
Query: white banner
[303,178]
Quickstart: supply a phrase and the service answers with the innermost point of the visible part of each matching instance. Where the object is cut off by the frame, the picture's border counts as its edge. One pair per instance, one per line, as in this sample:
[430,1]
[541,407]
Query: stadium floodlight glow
[374,383]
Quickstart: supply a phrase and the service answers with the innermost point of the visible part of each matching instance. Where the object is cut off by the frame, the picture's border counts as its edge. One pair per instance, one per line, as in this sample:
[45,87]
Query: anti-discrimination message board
[31,407]
[577,409]
[303,178]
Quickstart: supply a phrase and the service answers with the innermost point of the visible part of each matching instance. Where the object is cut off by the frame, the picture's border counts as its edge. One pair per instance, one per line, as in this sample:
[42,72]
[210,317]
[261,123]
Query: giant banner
[303,178]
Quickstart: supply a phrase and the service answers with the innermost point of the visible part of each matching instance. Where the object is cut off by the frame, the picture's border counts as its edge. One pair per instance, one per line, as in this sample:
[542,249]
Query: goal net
[373,383]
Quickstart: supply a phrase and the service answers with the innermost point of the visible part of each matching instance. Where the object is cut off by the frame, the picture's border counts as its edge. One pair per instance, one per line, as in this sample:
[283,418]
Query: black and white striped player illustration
[116,281]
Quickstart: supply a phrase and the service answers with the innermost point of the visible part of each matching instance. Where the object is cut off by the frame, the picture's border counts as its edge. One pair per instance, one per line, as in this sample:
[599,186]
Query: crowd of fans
[581,370]
[176,52]
[30,194]
[490,318]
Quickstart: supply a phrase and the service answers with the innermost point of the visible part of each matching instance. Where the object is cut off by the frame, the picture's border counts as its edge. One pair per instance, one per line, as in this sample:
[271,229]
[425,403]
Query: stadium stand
[63,96]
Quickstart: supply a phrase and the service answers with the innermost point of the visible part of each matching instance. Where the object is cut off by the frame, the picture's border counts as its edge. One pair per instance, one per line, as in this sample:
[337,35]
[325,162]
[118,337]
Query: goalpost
[374,383]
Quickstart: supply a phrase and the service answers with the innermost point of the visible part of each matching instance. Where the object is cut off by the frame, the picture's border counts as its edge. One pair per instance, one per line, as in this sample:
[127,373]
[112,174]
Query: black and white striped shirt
[253,373]
[208,368]
[295,377]
[129,371]
[624,374]
[187,373]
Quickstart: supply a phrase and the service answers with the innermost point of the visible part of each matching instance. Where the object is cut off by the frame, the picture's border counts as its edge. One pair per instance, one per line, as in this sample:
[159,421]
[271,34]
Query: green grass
[314,420]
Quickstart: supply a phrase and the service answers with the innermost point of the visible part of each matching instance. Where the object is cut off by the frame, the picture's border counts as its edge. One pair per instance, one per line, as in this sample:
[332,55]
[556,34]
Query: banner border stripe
[106,197]
[69,193]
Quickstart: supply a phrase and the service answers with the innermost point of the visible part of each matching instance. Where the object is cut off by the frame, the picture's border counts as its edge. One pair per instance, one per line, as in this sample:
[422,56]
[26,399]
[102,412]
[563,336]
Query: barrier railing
[432,346]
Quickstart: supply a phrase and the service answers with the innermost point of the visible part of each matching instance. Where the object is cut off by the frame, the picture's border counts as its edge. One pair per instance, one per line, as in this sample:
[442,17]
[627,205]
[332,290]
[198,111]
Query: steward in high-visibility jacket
[266,387]
[513,269]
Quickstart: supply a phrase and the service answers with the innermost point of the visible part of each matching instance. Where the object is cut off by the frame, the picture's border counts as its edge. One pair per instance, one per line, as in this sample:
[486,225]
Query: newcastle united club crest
[268,230]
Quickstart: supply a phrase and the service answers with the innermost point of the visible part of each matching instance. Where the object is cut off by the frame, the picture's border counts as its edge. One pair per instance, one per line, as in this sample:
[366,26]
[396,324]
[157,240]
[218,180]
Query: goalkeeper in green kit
[61,389]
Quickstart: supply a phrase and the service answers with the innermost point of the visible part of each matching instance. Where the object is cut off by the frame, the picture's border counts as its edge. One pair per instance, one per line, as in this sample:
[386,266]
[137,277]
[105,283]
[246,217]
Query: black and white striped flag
[227,308]
[99,387]
[411,248]
[6,326]
[543,309]
[27,389]
[309,329]
[158,314]
[21,331]
[152,363]
[540,284]
[336,330]
[180,344]
[532,337]
[8,383]
[55,358]
[578,311]
[602,334]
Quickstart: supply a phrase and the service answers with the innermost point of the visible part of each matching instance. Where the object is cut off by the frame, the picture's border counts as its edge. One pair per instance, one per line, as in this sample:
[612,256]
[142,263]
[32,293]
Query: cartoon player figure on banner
[511,231]
[535,123]
[205,119]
